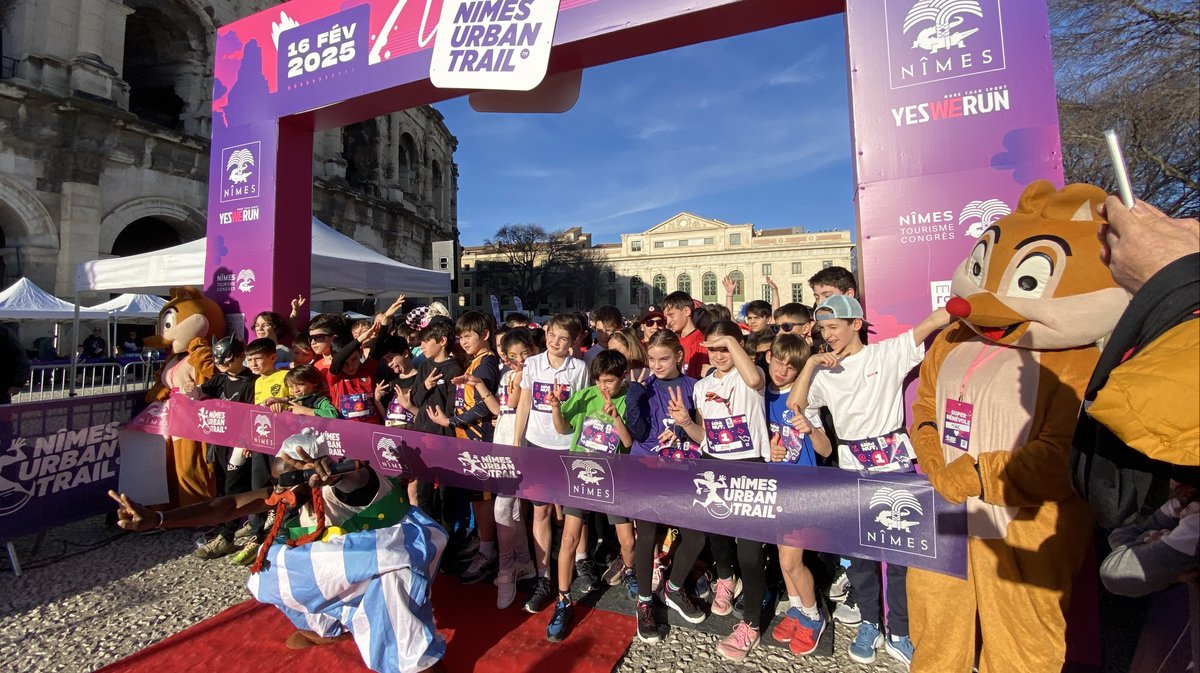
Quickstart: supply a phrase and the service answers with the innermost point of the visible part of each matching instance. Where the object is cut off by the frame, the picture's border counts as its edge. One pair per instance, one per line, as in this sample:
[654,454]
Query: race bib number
[956,426]
[677,447]
[460,399]
[356,405]
[887,453]
[397,414]
[793,441]
[542,392]
[598,434]
[727,435]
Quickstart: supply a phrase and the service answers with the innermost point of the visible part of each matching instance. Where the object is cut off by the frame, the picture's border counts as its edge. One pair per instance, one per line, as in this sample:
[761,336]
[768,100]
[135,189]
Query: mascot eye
[1032,274]
[976,263]
[167,321]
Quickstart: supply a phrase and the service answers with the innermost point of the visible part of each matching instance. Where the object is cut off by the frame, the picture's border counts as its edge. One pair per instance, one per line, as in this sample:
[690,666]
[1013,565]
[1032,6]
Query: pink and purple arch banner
[952,104]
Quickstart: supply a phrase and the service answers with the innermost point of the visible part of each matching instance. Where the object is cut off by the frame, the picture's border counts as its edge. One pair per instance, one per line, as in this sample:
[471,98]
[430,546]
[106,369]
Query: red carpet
[248,638]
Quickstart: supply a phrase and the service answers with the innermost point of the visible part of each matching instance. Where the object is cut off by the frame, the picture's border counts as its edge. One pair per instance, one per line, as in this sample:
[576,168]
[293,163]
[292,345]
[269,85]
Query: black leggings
[751,558]
[691,543]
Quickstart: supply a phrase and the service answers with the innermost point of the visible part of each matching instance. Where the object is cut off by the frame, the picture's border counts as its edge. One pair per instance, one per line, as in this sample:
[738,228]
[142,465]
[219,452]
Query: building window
[739,285]
[467,281]
[612,296]
[825,264]
[658,244]
[766,293]
[735,239]
[708,283]
[710,241]
[635,246]
[766,269]
[660,288]
[612,278]
[479,299]
[796,269]
[798,293]
[684,283]
[635,290]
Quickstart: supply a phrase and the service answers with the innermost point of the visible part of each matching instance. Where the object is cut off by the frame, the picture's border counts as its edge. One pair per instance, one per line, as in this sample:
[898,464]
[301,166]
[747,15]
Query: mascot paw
[957,481]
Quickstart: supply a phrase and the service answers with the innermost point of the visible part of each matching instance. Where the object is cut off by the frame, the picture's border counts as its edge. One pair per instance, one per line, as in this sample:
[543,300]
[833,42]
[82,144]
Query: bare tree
[540,266]
[1131,66]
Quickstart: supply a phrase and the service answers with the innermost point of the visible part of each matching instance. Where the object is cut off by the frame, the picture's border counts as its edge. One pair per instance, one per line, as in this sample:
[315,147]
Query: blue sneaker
[865,643]
[901,649]
[631,585]
[560,622]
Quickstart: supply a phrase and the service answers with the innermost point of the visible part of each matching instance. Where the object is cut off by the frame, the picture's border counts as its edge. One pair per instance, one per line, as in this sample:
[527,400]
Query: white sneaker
[847,613]
[506,593]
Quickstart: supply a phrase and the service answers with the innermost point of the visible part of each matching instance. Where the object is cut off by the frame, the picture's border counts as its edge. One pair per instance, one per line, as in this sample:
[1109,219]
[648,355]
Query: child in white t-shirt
[863,387]
[555,369]
[732,425]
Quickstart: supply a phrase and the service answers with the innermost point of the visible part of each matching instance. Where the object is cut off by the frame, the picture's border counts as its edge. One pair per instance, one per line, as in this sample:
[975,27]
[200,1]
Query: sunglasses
[656,322]
[786,326]
[319,337]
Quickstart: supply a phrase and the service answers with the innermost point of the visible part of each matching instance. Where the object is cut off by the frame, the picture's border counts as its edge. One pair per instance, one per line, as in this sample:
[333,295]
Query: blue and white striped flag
[376,584]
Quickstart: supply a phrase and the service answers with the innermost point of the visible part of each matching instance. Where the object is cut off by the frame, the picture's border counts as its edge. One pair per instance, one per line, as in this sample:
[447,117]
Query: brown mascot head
[1035,280]
[187,316]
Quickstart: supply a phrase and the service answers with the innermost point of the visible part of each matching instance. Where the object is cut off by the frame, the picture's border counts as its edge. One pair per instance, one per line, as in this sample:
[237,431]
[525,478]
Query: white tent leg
[12,558]
[74,360]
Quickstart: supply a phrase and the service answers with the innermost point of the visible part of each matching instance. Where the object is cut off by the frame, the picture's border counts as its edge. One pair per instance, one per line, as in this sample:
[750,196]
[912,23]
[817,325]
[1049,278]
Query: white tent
[132,308]
[24,300]
[342,268]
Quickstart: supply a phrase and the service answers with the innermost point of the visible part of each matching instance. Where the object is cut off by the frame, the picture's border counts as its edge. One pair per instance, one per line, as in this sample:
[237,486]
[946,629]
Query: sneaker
[560,621]
[847,613]
[738,644]
[631,585]
[785,629]
[808,632]
[615,573]
[865,643]
[215,548]
[506,593]
[585,570]
[481,566]
[685,605]
[543,595]
[246,555]
[662,567]
[245,532]
[467,551]
[647,627]
[726,591]
[839,591]
[901,649]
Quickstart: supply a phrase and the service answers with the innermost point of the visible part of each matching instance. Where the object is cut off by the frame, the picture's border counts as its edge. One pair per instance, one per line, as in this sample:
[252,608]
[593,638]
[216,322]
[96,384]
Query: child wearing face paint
[732,425]
[594,417]
[863,387]
[655,433]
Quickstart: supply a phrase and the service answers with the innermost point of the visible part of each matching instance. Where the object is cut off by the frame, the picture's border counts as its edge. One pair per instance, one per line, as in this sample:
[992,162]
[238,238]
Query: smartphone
[1119,167]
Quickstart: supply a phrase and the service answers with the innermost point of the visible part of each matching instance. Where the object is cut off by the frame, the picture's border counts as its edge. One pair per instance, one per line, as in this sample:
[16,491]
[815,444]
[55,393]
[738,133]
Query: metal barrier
[51,382]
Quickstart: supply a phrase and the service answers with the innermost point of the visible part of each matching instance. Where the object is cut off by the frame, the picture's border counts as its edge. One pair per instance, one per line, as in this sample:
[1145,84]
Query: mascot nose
[958,307]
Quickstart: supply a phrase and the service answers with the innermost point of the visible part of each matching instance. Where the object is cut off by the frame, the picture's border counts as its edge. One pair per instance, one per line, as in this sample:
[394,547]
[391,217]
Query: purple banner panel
[58,459]
[893,518]
[954,113]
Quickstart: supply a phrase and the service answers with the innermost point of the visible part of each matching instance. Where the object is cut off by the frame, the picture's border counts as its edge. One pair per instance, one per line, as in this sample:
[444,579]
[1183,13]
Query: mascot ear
[1035,196]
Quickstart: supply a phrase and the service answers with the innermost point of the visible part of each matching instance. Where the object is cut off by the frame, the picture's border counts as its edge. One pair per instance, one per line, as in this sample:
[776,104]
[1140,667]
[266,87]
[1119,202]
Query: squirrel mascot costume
[999,394]
[186,326]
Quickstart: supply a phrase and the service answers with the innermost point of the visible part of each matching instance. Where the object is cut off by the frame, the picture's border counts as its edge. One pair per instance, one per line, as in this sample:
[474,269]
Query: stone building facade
[695,254]
[104,142]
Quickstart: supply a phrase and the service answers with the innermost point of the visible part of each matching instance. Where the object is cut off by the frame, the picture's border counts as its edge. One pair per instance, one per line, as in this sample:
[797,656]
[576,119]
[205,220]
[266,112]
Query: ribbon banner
[58,459]
[896,518]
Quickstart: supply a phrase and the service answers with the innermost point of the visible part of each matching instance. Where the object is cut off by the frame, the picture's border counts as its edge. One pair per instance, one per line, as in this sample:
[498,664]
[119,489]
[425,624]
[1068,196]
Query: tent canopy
[342,268]
[24,300]
[132,307]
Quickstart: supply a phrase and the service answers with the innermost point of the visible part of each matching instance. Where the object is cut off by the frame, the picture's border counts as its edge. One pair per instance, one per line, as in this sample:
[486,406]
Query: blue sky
[754,128]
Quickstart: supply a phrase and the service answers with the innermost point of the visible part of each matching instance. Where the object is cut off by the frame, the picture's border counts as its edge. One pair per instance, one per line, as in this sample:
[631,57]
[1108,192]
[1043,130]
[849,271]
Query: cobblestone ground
[94,606]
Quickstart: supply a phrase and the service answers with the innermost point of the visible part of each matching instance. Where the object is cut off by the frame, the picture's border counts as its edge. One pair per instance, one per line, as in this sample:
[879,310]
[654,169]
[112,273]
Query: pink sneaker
[739,643]
[727,590]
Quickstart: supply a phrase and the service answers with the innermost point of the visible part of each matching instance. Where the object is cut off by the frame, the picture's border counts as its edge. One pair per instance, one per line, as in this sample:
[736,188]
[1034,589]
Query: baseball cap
[839,306]
[651,311]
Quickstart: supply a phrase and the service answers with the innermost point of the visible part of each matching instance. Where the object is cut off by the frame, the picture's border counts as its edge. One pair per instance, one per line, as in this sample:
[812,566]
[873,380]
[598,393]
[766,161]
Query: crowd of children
[683,381]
